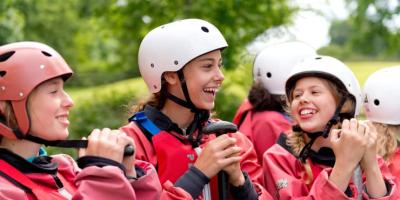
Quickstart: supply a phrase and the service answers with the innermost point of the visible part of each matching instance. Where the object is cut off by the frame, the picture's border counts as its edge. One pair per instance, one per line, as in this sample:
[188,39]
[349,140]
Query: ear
[171,78]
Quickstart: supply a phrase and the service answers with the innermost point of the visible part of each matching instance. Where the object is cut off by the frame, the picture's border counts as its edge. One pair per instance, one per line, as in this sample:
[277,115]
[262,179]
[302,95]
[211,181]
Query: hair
[387,141]
[156,100]
[297,140]
[8,117]
[262,99]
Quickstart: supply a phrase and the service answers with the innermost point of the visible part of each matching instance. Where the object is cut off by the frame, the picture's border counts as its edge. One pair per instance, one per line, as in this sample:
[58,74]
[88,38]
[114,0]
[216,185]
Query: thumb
[334,135]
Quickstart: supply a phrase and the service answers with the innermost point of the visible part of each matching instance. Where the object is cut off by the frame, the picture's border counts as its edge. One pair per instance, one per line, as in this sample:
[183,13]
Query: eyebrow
[209,59]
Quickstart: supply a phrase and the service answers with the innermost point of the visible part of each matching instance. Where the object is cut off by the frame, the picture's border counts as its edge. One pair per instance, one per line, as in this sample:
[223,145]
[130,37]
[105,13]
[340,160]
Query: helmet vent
[269,74]
[46,54]
[318,58]
[152,65]
[205,29]
[6,56]
[3,73]
[176,62]
[376,102]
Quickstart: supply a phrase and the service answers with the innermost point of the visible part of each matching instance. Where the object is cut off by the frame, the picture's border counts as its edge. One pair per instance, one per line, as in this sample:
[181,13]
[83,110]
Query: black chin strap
[200,115]
[305,152]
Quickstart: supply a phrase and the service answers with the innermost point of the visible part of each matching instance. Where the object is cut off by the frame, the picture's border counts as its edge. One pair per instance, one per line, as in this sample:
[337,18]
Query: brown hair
[387,142]
[7,114]
[156,100]
[262,99]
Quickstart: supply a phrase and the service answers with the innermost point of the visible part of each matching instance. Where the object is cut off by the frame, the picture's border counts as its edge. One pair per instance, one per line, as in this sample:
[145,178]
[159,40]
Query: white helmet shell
[274,63]
[381,96]
[330,68]
[171,46]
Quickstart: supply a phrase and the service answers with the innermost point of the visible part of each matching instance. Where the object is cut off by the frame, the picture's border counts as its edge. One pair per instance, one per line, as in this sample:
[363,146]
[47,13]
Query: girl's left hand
[234,172]
[371,151]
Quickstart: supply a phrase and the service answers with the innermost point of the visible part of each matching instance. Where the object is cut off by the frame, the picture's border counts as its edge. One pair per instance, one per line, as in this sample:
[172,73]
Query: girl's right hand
[218,154]
[107,143]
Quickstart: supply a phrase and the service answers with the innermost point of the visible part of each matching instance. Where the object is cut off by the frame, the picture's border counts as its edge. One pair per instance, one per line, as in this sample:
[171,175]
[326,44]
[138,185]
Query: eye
[220,65]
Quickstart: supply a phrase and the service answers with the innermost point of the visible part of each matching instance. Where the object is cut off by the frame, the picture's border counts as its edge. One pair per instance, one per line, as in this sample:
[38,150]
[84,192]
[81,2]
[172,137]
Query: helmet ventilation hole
[152,65]
[3,73]
[376,102]
[269,74]
[6,56]
[46,54]
[176,62]
[205,29]
[318,58]
[155,86]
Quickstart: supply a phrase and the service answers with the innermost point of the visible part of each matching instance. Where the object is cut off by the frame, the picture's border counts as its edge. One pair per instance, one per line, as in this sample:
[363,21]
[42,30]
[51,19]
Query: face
[313,103]
[48,109]
[204,77]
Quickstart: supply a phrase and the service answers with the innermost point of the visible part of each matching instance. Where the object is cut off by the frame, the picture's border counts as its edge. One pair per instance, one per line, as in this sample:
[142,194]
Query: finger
[231,151]
[353,125]
[334,135]
[361,129]
[94,138]
[345,125]
[223,142]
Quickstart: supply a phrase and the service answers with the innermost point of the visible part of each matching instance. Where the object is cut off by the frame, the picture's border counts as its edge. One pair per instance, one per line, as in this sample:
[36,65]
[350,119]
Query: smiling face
[313,103]
[48,107]
[204,77]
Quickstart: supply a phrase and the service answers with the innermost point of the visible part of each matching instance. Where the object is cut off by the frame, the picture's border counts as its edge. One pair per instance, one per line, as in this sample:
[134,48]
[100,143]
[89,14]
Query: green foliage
[100,38]
[367,32]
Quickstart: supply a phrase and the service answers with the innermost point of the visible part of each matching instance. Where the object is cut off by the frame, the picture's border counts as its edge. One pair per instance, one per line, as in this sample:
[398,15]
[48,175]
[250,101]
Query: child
[34,110]
[381,106]
[261,117]
[317,159]
[180,63]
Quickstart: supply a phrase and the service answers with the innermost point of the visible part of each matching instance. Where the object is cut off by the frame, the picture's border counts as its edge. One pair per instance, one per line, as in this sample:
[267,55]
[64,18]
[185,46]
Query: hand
[370,154]
[234,171]
[110,144]
[217,154]
[349,144]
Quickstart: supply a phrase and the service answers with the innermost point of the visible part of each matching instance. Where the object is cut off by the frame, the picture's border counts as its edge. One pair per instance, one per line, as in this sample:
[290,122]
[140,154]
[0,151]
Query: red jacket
[262,127]
[394,164]
[283,174]
[92,182]
[176,156]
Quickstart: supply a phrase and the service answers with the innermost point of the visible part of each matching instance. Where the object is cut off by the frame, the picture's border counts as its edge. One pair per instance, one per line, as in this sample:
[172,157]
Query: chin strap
[200,115]
[336,118]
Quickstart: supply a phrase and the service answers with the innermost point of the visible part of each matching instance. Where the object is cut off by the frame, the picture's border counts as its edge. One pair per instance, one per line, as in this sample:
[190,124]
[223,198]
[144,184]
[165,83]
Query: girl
[317,159]
[261,117]
[34,110]
[180,63]
[381,106]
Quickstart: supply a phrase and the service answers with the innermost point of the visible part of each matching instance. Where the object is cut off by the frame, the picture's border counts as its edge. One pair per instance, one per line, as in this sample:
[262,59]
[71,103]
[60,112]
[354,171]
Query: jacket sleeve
[282,174]
[390,181]
[250,164]
[102,183]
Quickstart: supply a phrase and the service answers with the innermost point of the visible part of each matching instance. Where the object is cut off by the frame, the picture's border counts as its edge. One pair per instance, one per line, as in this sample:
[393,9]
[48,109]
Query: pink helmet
[23,66]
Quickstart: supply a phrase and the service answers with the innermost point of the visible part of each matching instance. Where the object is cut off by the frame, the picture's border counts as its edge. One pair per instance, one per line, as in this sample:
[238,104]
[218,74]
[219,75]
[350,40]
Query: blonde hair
[297,140]
[387,141]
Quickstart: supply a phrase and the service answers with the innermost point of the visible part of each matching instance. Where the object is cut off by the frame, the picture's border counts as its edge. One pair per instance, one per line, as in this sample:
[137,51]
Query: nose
[67,101]
[304,98]
[219,76]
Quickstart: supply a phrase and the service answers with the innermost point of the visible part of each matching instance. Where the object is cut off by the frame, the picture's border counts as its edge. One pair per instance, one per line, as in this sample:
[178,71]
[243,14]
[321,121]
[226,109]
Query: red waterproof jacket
[108,182]
[284,179]
[262,127]
[394,164]
[173,156]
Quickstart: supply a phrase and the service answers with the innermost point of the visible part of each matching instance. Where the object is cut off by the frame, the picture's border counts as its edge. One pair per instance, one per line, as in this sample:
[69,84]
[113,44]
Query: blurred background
[100,40]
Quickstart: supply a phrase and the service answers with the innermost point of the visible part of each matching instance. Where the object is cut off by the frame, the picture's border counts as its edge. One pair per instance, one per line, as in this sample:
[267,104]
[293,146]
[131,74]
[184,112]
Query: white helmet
[273,64]
[171,46]
[381,96]
[329,68]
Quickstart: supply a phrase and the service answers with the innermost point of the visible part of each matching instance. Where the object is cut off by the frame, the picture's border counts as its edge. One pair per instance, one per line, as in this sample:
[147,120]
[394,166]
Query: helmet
[171,46]
[331,69]
[273,64]
[381,95]
[23,66]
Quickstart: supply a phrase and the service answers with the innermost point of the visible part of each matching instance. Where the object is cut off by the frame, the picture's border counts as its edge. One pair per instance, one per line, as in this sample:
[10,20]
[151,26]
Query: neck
[178,114]
[318,143]
[23,148]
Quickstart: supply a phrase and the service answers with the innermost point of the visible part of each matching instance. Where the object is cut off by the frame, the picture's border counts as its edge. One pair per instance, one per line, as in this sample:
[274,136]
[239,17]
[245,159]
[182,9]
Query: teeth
[306,111]
[211,90]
